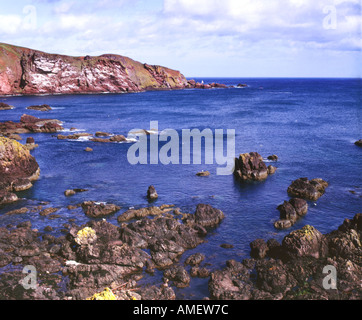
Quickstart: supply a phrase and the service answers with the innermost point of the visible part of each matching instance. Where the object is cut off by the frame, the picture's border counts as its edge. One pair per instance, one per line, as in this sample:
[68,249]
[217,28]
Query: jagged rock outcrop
[290,212]
[295,269]
[251,167]
[17,167]
[27,71]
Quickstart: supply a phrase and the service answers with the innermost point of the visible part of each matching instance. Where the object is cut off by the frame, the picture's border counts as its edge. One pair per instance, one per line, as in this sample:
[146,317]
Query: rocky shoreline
[102,260]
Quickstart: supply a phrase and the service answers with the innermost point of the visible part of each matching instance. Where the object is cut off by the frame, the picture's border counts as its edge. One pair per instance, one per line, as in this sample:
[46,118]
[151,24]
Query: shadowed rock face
[27,71]
[16,165]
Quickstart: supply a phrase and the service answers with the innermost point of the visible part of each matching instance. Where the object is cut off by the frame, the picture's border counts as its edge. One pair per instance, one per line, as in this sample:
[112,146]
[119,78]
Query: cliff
[27,71]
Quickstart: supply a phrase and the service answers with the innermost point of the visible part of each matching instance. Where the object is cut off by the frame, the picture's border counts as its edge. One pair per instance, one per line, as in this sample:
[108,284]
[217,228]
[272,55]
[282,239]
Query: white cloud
[10,24]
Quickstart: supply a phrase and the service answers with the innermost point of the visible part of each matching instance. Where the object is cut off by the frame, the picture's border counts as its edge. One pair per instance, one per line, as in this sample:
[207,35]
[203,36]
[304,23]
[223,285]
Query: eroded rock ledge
[294,268]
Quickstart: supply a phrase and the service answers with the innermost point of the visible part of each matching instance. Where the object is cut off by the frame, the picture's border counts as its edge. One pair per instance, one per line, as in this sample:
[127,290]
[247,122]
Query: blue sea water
[311,124]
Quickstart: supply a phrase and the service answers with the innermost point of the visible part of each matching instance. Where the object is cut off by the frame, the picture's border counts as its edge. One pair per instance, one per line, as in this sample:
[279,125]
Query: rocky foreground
[100,259]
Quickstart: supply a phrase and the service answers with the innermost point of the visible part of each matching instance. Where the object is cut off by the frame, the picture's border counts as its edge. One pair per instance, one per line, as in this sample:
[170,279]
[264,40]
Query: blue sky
[229,38]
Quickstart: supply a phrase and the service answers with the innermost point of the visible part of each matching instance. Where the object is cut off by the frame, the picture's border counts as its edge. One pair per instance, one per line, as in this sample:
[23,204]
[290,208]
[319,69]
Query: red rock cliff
[27,71]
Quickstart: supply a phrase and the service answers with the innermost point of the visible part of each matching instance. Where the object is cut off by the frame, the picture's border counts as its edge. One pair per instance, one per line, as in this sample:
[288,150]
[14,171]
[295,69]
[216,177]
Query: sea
[310,124]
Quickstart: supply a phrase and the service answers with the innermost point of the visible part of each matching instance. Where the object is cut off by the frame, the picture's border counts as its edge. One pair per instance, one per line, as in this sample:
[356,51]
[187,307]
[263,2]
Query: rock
[179,276]
[29,124]
[151,193]
[117,138]
[290,212]
[226,246]
[16,164]
[7,197]
[283,224]
[142,213]
[4,106]
[251,167]
[259,249]
[102,134]
[14,137]
[195,259]
[309,190]
[30,140]
[358,143]
[99,209]
[273,157]
[74,136]
[205,216]
[271,170]
[307,241]
[300,206]
[43,107]
[287,212]
[242,85]
[72,192]
[17,211]
[274,277]
[48,211]
[203,174]
[88,149]
[21,184]
[166,238]
[200,272]
[232,283]
[69,193]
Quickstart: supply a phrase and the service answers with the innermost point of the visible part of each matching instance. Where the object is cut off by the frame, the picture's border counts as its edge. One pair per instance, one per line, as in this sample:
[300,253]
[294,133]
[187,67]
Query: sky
[203,38]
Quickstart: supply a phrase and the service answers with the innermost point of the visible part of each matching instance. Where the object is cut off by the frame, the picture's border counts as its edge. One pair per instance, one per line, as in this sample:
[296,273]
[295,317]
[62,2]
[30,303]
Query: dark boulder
[152,193]
[308,189]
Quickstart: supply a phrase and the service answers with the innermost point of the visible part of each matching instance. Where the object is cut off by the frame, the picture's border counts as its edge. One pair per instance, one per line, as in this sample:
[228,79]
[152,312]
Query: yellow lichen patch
[106,294]
[307,231]
[86,236]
